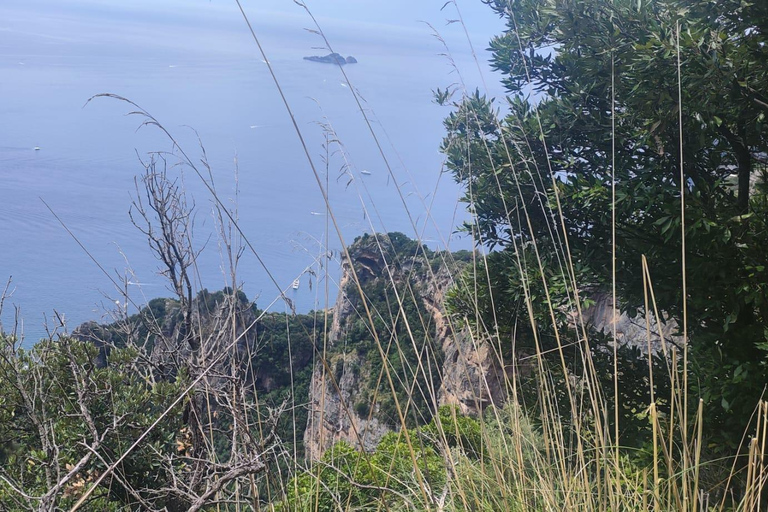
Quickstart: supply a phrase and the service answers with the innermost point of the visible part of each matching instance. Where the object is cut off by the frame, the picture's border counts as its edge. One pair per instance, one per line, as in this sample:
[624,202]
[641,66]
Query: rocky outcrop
[433,361]
[97,334]
[341,403]
[332,58]
[217,317]
[631,330]
[473,375]
[337,385]
[472,372]
[334,415]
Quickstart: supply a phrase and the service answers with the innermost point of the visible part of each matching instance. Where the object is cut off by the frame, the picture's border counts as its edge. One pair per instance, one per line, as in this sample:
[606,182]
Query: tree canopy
[601,93]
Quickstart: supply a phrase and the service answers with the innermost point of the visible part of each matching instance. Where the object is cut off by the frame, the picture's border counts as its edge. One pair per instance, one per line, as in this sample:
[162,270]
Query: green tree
[349,479]
[593,98]
[64,419]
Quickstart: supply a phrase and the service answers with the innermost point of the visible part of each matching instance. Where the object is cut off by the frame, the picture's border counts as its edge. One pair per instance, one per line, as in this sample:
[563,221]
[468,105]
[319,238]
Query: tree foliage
[595,100]
[64,419]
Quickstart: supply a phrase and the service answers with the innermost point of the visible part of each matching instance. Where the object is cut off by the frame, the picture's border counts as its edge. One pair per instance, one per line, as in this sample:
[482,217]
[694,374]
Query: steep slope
[405,363]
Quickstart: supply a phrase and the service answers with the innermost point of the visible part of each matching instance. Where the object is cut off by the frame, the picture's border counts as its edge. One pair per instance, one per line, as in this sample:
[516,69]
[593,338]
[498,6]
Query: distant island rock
[332,58]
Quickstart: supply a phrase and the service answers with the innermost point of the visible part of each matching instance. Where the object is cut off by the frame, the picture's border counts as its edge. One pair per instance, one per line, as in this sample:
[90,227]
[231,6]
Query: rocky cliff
[631,330]
[430,362]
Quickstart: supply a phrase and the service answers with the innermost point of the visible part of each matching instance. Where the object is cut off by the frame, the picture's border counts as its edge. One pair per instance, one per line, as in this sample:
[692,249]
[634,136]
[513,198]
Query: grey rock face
[333,416]
[630,331]
[470,378]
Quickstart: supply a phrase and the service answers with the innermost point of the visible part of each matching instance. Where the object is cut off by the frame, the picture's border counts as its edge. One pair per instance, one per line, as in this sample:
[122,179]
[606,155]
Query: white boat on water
[295,284]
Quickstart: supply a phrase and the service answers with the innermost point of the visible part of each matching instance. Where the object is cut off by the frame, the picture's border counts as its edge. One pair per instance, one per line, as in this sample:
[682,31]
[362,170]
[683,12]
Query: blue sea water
[195,68]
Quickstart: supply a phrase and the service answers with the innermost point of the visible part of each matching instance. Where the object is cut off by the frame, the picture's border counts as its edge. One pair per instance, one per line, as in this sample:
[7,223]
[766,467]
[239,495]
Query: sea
[71,161]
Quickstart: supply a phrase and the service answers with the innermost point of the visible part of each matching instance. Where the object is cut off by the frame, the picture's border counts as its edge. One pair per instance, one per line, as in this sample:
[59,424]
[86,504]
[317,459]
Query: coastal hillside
[601,345]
